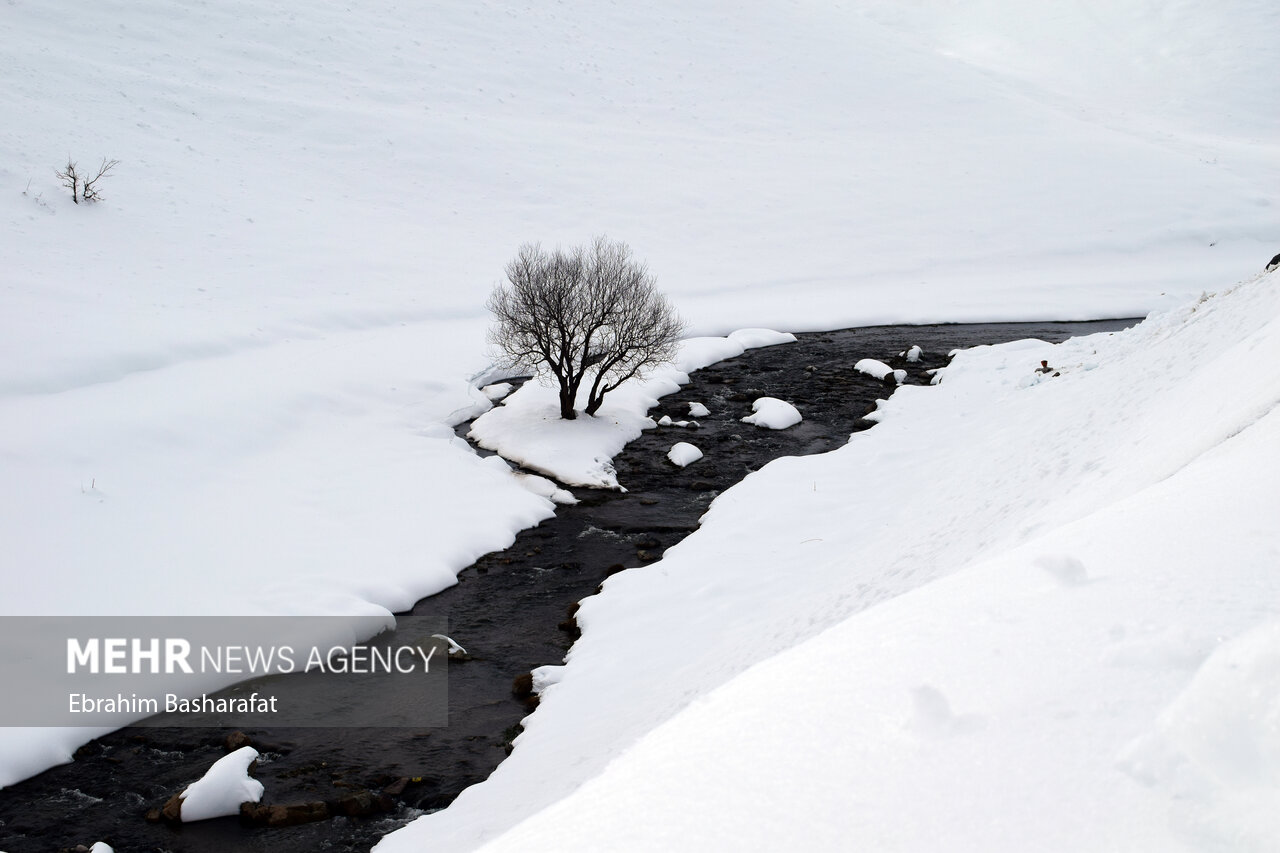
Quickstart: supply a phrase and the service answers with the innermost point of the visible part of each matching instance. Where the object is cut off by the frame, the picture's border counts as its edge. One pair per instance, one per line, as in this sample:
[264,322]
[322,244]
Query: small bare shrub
[84,188]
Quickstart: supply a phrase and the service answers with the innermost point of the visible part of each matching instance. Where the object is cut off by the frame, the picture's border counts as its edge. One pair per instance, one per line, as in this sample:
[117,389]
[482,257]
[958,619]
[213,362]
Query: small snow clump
[683,453]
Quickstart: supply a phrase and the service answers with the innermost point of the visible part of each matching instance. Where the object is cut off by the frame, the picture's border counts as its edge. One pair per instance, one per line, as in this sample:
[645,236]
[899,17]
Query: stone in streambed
[290,814]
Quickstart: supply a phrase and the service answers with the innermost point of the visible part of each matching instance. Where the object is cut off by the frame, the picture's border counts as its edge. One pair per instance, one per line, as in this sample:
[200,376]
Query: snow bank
[682,454]
[223,787]
[1076,618]
[527,427]
[546,488]
[772,413]
[532,482]
[752,338]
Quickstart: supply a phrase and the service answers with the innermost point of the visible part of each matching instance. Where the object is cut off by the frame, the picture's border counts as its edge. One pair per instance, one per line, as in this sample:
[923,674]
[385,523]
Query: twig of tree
[70,179]
[90,190]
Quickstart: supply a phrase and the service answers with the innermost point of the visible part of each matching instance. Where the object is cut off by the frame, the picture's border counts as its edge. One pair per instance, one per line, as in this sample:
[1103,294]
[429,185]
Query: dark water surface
[509,609]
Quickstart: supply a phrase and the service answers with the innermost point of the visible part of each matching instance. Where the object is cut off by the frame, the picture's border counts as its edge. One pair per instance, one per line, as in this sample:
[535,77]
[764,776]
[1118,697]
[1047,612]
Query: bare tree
[589,312]
[84,188]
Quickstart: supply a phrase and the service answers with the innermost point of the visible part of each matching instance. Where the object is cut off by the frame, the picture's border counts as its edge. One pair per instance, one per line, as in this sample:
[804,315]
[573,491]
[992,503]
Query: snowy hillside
[1023,612]
[228,387]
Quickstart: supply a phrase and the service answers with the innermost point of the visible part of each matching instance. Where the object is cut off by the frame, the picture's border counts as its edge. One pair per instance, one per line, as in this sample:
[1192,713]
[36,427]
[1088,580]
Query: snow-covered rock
[880,370]
[913,354]
[683,453]
[698,410]
[222,789]
[772,413]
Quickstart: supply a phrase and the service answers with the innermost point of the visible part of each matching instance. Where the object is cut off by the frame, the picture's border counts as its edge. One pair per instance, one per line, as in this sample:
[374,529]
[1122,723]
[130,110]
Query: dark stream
[510,609]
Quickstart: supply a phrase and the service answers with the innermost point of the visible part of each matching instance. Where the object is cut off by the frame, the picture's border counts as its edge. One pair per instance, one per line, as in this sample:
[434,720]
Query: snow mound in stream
[223,787]
[682,454]
[772,413]
[879,370]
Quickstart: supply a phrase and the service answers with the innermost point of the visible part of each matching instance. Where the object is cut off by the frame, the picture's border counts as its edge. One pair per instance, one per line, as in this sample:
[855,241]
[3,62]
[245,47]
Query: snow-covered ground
[228,386]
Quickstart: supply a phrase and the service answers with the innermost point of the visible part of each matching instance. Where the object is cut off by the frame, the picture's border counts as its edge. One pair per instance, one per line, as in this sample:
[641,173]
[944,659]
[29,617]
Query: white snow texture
[1022,612]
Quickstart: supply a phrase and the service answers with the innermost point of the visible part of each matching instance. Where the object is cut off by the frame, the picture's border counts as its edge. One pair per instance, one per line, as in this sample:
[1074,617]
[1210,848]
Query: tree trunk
[566,404]
[595,398]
